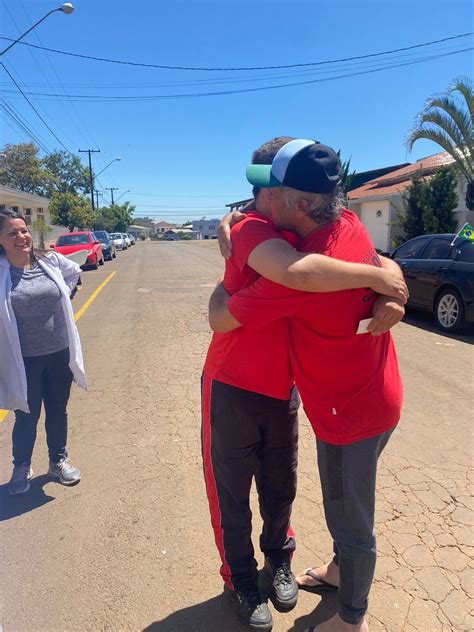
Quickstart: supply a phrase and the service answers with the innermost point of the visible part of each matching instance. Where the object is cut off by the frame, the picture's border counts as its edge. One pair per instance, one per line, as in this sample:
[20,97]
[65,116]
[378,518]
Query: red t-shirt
[254,361]
[349,383]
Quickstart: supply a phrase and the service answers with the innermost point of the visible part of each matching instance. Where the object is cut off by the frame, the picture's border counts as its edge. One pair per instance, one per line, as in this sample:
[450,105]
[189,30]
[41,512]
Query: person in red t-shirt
[249,406]
[348,379]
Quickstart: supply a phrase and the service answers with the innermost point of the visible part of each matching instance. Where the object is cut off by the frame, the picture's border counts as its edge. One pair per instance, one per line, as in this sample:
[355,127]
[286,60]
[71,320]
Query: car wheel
[449,310]
[95,265]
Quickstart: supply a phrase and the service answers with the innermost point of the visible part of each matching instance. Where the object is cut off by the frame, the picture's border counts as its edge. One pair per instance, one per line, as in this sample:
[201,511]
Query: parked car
[127,239]
[108,245]
[440,277]
[132,239]
[81,240]
[119,241]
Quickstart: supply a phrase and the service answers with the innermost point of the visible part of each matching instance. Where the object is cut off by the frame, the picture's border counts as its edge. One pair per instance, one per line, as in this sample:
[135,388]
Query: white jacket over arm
[13,389]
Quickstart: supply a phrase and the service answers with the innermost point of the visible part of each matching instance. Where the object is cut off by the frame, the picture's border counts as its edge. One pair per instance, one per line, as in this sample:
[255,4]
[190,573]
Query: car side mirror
[51,245]
[95,242]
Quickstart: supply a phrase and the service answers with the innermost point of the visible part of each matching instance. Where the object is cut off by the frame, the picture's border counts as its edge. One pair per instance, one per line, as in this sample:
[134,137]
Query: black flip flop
[322,587]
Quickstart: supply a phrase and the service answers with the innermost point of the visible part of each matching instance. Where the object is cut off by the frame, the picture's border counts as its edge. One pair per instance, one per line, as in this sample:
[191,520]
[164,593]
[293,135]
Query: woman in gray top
[41,330]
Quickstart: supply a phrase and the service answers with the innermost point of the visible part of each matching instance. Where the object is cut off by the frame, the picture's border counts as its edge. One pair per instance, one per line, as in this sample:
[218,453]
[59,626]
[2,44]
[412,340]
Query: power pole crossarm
[91,175]
[111,189]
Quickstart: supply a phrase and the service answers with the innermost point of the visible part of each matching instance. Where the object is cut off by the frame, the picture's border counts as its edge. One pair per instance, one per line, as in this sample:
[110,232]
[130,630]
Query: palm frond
[442,139]
[444,122]
[464,86]
[457,114]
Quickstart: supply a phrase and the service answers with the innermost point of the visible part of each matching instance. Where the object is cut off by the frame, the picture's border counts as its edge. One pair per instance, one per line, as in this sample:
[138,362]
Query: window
[28,216]
[410,250]
[73,240]
[40,214]
[465,252]
[438,249]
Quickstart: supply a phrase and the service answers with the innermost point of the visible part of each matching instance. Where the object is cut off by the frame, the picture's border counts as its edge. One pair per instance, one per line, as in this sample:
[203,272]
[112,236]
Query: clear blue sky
[192,152]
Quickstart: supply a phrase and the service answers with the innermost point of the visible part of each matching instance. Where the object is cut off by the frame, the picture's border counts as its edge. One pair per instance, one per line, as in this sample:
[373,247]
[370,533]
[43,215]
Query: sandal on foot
[318,589]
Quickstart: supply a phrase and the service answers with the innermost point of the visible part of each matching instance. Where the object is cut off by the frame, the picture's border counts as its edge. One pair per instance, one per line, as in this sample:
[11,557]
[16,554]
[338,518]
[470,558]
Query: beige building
[33,208]
[376,202]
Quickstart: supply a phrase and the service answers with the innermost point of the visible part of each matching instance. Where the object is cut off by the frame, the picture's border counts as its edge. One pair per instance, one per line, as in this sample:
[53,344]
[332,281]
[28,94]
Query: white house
[33,208]
[377,201]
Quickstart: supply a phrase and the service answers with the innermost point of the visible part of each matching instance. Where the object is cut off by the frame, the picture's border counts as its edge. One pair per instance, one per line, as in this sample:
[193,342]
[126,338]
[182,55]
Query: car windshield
[116,236]
[72,240]
[101,236]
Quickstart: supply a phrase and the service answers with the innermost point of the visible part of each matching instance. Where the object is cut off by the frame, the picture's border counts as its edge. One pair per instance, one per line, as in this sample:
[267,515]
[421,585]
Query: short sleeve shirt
[253,361]
[349,383]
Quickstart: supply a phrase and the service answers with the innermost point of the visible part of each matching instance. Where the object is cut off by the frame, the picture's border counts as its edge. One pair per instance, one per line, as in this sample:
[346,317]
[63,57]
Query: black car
[440,277]
[108,246]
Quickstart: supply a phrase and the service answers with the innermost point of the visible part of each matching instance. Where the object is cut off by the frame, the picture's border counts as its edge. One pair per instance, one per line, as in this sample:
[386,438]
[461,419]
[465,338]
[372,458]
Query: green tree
[346,176]
[427,205]
[440,201]
[66,174]
[42,229]
[72,211]
[116,218]
[410,216]
[21,168]
[447,121]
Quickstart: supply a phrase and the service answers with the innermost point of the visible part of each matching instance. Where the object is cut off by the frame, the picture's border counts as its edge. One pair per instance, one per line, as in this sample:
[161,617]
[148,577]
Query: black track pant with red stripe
[246,435]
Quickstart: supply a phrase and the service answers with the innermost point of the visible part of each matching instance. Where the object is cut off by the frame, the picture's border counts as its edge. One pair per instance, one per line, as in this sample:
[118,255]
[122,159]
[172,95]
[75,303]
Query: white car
[127,239]
[119,241]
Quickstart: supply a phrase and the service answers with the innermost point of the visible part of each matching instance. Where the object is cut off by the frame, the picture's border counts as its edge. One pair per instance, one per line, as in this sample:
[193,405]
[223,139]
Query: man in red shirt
[349,381]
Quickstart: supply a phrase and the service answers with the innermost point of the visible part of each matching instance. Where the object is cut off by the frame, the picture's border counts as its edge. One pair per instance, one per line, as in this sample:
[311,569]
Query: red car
[81,240]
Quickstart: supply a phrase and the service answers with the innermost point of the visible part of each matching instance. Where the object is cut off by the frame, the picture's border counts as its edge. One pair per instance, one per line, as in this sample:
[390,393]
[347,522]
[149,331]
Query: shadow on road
[326,608]
[425,320]
[11,506]
[213,615]
[217,615]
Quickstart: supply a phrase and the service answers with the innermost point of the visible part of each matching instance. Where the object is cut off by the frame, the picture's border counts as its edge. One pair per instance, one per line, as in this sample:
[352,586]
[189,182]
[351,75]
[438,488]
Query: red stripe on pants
[211,488]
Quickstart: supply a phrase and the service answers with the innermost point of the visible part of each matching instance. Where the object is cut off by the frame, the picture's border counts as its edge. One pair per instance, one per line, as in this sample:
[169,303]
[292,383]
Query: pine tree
[440,201]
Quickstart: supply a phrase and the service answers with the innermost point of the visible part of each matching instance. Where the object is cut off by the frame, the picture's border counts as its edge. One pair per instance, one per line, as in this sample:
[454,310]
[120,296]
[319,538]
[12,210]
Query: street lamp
[66,8]
[114,160]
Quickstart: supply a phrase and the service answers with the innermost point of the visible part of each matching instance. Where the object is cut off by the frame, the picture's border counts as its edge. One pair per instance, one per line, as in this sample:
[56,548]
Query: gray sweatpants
[348,475]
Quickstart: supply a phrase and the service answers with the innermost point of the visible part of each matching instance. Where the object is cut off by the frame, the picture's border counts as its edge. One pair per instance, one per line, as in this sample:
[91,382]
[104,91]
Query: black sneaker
[285,589]
[252,610]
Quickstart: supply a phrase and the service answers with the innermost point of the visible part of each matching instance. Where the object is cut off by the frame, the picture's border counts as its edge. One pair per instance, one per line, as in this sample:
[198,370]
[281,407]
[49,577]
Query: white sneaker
[65,472]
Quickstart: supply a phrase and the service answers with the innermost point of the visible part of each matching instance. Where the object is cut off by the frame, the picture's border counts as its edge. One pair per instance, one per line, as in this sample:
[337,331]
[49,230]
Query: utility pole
[97,193]
[91,175]
[111,189]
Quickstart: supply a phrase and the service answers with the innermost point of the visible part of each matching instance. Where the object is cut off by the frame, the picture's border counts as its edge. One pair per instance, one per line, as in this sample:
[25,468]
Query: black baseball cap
[306,165]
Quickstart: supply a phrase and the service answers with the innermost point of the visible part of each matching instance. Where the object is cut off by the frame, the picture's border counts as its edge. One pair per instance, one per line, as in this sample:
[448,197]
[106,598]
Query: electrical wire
[246,68]
[128,98]
[33,107]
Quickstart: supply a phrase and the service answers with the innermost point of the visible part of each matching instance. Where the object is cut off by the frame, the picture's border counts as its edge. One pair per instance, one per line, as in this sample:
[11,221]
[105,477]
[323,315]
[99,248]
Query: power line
[9,111]
[105,99]
[33,107]
[242,68]
[190,195]
[242,78]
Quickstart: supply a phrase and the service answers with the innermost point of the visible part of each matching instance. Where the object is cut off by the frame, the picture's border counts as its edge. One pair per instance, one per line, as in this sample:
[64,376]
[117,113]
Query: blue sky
[191,153]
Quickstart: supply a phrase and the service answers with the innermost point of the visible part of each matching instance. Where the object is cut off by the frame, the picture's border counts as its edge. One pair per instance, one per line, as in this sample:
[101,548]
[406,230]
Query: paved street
[131,548]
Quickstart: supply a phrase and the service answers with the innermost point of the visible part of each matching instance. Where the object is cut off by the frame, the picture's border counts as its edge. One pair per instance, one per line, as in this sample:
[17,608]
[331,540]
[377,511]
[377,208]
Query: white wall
[376,217]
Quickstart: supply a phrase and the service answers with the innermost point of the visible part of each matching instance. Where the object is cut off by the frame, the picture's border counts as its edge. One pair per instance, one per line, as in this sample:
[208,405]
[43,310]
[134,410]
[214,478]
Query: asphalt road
[131,548]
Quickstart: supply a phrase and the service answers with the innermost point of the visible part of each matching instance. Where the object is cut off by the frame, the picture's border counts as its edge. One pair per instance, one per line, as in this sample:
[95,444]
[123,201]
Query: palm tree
[447,121]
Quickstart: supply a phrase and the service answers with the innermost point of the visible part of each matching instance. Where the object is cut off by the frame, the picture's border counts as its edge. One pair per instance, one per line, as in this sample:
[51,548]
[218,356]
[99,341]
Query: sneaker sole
[67,483]
[27,489]
[283,606]
[266,627]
